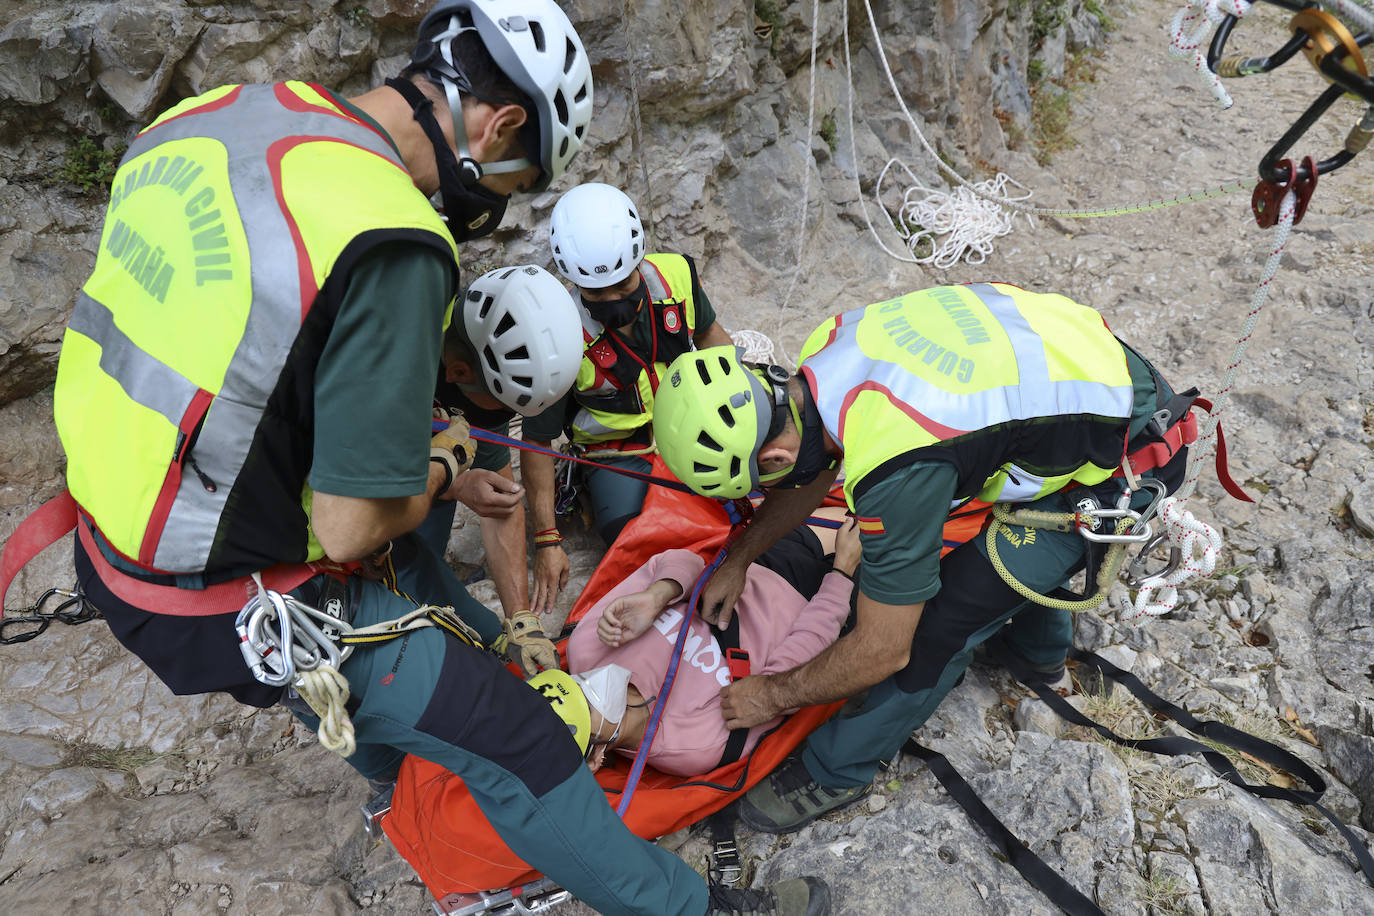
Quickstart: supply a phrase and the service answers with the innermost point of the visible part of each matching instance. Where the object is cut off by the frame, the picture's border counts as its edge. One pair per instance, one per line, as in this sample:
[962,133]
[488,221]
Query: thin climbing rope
[646,204]
[1199,542]
[806,184]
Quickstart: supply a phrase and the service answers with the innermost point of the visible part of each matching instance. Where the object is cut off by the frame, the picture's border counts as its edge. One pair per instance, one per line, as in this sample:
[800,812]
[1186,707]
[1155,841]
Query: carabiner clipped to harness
[1090,517]
[1138,572]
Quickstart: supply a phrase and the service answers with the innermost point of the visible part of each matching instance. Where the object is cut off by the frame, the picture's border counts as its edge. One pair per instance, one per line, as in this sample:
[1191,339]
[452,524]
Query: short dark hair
[484,79]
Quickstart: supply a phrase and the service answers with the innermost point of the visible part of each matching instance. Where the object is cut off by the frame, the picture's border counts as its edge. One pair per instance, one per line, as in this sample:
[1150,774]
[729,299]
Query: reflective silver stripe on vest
[842,366]
[247,128]
[658,290]
[144,379]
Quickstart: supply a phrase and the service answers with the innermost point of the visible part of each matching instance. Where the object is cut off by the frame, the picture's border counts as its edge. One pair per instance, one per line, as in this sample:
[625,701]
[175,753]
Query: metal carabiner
[1134,536]
[1137,575]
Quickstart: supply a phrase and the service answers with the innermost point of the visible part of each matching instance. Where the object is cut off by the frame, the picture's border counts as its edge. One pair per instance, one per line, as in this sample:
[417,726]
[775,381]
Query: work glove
[524,643]
[453,448]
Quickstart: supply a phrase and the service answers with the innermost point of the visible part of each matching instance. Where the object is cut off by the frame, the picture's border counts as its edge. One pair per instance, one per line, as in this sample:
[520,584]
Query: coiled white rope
[757,346]
[968,221]
[1199,542]
[326,690]
[1190,33]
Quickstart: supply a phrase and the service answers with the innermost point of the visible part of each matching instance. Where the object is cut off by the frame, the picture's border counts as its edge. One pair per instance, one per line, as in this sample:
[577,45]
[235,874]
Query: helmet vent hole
[524,381]
[522,400]
[704,439]
[725,416]
[560,104]
[537,33]
[569,56]
[486,307]
[506,274]
[725,366]
[520,352]
[635,249]
[734,466]
[701,371]
[563,148]
[580,97]
[504,325]
[490,357]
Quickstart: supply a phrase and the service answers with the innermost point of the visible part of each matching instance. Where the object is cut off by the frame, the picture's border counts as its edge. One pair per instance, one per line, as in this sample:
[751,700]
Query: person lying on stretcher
[794,603]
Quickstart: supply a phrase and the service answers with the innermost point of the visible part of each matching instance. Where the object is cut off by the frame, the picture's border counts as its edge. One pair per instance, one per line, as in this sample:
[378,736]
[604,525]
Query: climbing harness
[71,608]
[288,643]
[1117,527]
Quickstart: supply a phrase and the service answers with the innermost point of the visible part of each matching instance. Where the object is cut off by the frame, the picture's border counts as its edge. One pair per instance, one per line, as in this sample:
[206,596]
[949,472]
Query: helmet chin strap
[454,86]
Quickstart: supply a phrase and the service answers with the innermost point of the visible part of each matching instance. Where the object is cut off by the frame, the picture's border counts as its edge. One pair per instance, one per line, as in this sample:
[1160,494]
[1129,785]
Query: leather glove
[524,643]
[454,448]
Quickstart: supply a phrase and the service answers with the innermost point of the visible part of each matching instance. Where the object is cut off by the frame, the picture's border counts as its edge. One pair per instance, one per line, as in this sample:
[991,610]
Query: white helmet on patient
[596,236]
[526,332]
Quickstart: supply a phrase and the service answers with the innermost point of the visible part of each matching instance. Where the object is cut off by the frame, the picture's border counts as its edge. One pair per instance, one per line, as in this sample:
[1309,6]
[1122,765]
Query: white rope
[1013,203]
[969,221]
[1203,447]
[1363,15]
[1190,33]
[326,690]
[1199,542]
[757,346]
[806,182]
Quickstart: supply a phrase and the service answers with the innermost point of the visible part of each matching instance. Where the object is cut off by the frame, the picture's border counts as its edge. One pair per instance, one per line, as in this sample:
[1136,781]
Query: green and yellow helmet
[568,701]
[712,414]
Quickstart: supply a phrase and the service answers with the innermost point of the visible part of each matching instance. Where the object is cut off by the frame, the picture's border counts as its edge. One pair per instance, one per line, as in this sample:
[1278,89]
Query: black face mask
[616,313]
[472,211]
[811,456]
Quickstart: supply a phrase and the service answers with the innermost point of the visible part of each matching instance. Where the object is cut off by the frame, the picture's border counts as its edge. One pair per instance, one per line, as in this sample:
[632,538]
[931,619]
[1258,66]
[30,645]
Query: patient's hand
[848,551]
[629,616]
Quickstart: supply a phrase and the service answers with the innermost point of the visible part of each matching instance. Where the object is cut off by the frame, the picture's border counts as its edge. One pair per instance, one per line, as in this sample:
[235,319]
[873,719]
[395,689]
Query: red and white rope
[1190,33]
[1198,541]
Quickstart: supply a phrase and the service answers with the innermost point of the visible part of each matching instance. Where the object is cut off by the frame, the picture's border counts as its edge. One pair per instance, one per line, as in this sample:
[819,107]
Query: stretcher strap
[642,755]
[1043,878]
[1264,751]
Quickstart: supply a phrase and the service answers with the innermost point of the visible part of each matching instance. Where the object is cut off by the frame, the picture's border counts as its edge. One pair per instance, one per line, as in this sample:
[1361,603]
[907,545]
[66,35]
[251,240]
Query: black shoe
[793,897]
[789,799]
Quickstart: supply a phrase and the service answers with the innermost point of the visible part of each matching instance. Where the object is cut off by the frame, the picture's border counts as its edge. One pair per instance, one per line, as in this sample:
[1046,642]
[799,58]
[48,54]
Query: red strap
[224,598]
[43,528]
[1158,454]
[1228,483]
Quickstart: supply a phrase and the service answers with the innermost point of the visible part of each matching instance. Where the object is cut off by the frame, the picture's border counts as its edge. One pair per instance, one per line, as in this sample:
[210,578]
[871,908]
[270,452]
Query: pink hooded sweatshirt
[778,627]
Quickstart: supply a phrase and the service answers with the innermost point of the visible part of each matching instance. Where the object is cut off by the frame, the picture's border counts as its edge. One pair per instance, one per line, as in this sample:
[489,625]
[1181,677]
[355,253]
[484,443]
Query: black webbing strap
[734,745]
[1033,868]
[726,867]
[1174,746]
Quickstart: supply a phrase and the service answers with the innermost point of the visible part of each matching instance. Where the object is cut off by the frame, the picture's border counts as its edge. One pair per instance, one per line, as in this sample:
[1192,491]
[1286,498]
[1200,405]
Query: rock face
[119,797]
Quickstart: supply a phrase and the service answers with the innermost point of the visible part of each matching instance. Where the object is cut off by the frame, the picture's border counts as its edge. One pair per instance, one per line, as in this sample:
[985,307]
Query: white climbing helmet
[596,236]
[527,333]
[536,46]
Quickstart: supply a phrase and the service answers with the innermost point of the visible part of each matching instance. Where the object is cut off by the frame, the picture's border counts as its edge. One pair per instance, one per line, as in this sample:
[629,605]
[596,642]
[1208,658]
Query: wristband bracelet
[836,569]
[539,545]
[448,474]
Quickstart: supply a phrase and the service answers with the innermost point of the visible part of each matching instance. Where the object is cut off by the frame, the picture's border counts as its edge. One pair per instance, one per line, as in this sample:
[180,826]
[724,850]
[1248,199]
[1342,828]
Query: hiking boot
[789,799]
[995,651]
[793,897]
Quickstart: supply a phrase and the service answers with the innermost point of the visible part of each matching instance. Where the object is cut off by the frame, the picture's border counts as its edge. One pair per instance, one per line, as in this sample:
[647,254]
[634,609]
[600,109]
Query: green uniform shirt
[374,385]
[902,564]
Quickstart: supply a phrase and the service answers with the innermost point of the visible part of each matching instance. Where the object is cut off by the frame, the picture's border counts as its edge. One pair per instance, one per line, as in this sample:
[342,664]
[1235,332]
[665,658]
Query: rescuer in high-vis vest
[245,388]
[931,398]
[641,311]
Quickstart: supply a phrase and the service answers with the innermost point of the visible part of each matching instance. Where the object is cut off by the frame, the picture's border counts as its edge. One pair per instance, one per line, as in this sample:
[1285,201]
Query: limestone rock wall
[717,156]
